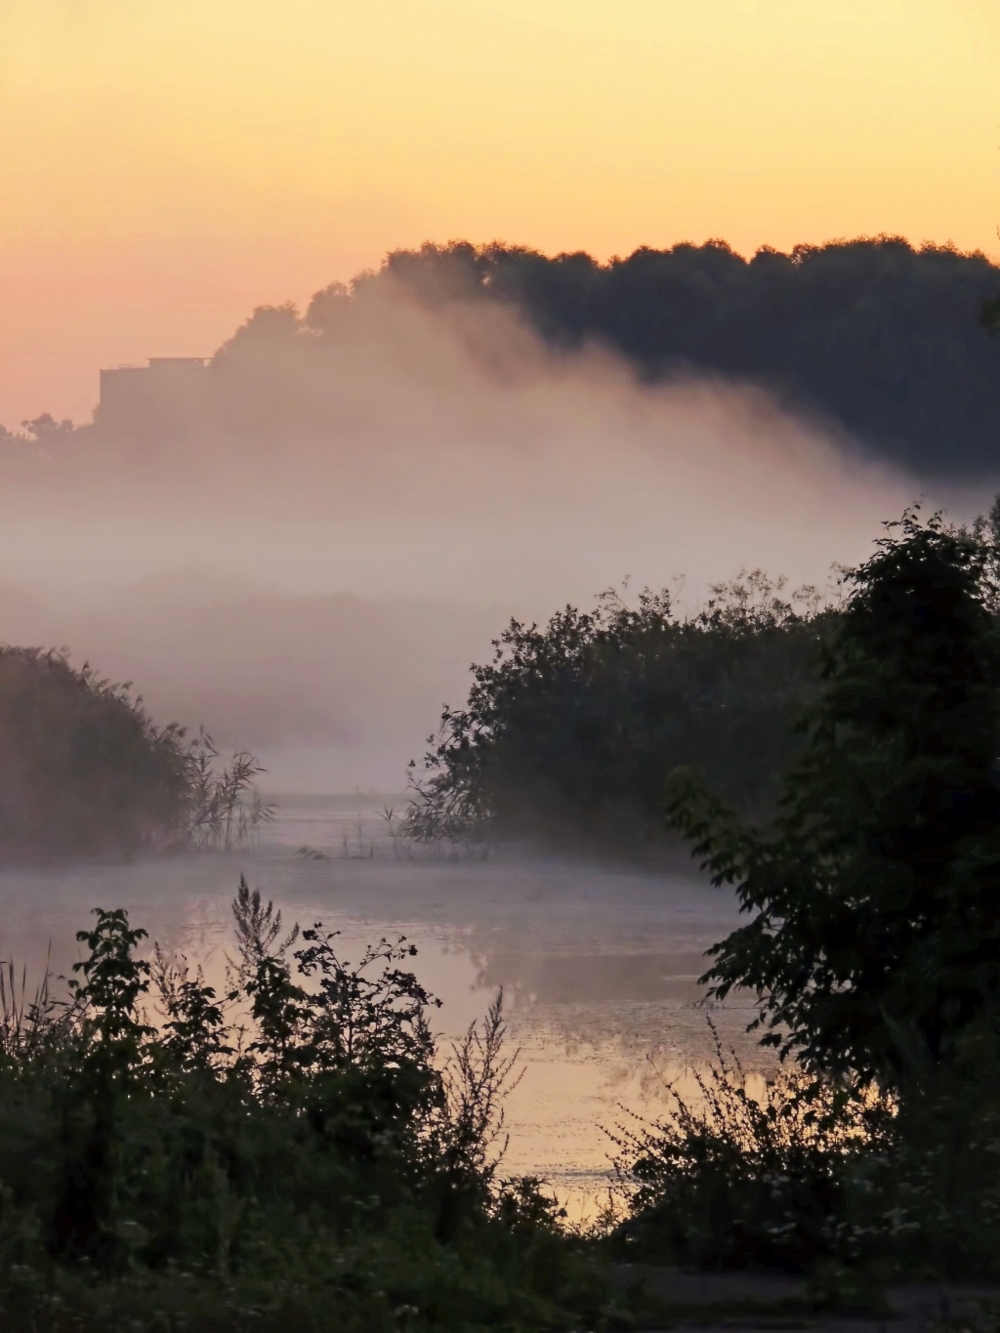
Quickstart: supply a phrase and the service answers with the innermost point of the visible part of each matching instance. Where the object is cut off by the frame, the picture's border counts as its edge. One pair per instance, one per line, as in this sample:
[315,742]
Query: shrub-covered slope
[83,768]
[85,771]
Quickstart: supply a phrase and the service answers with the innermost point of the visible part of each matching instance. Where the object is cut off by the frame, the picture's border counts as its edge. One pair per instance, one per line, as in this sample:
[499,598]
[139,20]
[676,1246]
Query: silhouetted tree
[576,726]
[874,896]
[877,336]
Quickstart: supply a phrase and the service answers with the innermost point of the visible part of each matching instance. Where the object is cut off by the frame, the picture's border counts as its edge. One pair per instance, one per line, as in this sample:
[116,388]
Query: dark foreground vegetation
[873,946]
[84,770]
[286,1155]
[297,1152]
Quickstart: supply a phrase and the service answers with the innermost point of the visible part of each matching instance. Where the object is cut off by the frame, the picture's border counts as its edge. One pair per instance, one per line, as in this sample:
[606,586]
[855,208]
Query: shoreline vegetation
[299,1150]
[86,772]
[570,732]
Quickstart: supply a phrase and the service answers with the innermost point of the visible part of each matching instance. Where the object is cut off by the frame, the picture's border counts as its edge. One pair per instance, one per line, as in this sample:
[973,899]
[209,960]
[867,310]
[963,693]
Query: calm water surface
[598,964]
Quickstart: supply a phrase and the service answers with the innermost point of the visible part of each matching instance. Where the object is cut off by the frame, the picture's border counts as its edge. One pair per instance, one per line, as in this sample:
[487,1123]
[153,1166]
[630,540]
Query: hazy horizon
[170,165]
[312,577]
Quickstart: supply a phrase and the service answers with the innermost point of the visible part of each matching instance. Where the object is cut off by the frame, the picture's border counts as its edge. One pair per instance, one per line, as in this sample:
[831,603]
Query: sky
[167,165]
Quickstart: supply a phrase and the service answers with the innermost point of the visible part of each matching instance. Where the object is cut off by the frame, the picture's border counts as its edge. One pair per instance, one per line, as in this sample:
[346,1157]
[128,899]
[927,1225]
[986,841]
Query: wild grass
[741,1174]
[227,808]
[838,1181]
[296,1150]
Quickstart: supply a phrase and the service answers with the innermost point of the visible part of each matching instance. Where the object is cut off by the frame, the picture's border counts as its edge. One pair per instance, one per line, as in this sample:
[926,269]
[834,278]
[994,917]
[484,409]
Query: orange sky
[165,165]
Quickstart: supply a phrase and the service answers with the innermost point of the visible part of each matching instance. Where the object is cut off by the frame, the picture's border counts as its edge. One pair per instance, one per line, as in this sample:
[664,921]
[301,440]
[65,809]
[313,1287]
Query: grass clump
[743,1176]
[846,1185]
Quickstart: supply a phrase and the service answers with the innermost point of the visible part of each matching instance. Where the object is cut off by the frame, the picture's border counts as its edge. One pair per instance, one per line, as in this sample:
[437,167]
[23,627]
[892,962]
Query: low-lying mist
[307,555]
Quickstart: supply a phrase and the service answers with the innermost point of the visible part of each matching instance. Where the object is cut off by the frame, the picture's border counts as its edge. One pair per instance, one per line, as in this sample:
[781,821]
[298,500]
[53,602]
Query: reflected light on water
[598,965]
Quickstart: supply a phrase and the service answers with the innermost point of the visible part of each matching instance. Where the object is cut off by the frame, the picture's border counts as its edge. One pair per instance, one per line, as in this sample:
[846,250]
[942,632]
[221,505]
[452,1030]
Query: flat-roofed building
[154,395]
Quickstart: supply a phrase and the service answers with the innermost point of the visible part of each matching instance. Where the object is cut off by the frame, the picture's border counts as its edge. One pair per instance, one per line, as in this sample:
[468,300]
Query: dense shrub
[838,1180]
[85,771]
[83,768]
[289,1153]
[576,726]
[742,1176]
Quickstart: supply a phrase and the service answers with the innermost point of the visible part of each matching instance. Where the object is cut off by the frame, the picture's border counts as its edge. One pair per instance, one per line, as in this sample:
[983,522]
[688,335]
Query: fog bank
[305,552]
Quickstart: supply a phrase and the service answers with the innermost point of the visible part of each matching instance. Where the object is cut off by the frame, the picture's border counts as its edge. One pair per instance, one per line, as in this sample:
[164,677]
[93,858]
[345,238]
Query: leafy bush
[842,1181]
[83,768]
[739,1177]
[874,895]
[291,1152]
[872,947]
[85,771]
[576,726]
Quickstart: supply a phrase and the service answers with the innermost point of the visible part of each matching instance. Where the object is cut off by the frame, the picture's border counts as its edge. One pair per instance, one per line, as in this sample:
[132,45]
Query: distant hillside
[885,339]
[879,339]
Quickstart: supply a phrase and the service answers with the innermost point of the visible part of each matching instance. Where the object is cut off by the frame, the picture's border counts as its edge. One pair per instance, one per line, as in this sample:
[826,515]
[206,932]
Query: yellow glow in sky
[167,164]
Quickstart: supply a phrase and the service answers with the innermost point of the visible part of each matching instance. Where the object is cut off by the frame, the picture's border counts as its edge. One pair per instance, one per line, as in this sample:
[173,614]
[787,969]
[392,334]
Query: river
[598,963]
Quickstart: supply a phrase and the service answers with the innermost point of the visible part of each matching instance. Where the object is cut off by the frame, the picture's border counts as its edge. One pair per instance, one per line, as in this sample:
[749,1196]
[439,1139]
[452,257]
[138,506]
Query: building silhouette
[161,393]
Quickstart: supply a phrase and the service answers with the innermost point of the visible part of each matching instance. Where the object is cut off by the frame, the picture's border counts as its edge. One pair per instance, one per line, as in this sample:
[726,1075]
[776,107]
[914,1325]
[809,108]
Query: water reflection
[602,978]
[599,965]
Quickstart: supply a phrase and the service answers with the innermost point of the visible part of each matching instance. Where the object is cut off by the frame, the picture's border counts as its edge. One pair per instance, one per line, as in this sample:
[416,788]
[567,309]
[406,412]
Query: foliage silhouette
[872,947]
[575,727]
[83,768]
[875,931]
[878,338]
[85,771]
[870,333]
[740,1176]
[840,1180]
[292,1154]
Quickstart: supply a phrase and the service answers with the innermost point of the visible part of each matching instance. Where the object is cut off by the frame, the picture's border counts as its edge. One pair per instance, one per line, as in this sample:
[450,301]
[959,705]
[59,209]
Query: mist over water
[307,560]
[597,963]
